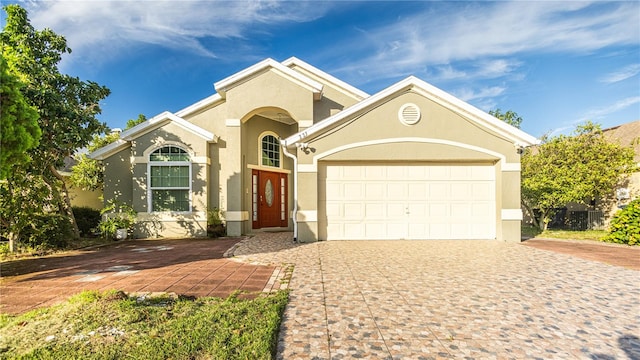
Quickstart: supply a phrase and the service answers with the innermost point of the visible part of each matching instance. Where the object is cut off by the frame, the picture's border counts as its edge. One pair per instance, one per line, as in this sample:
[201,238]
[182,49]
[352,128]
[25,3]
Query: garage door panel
[484,173]
[395,231]
[375,211]
[354,231]
[395,210]
[439,191]
[483,191]
[410,201]
[353,211]
[353,191]
[461,210]
[375,172]
[352,173]
[460,191]
[395,191]
[418,191]
[373,190]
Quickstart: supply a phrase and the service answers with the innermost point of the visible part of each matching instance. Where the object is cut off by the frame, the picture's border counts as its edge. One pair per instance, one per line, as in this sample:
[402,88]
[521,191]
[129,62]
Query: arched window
[170,179]
[270,150]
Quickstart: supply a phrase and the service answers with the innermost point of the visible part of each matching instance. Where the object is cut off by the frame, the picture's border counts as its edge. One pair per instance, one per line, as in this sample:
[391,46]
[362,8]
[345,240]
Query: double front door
[269,199]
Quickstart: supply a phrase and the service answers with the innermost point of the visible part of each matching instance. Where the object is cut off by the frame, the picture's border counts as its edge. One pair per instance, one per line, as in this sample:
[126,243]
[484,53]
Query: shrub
[625,225]
[87,219]
[47,231]
[215,223]
[117,216]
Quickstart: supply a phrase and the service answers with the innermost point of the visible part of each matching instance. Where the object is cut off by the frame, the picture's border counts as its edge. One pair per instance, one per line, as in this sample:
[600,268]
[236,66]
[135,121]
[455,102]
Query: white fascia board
[161,119]
[145,126]
[351,90]
[199,105]
[108,150]
[517,136]
[225,84]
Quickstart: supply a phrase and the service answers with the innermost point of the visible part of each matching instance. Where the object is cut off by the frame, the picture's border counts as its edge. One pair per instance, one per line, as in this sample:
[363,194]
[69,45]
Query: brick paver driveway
[450,299]
[187,267]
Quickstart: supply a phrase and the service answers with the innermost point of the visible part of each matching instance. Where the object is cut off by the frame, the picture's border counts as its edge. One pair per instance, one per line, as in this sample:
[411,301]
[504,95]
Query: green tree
[67,106]
[19,129]
[133,122]
[510,117]
[571,168]
[87,173]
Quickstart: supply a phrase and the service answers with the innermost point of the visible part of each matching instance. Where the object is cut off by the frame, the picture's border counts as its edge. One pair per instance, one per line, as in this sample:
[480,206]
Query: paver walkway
[449,299]
[613,254]
[187,267]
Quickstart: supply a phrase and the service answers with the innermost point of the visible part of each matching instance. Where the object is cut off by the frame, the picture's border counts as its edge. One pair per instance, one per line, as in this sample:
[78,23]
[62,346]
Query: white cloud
[467,94]
[485,69]
[622,74]
[100,29]
[600,113]
[451,32]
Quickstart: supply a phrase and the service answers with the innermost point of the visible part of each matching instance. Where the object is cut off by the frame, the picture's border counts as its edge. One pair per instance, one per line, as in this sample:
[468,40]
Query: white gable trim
[517,136]
[110,149]
[230,82]
[351,90]
[200,105]
[161,119]
[151,124]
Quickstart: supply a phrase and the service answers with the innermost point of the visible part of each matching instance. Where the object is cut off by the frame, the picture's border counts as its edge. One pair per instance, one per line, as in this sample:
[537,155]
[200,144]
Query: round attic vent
[409,114]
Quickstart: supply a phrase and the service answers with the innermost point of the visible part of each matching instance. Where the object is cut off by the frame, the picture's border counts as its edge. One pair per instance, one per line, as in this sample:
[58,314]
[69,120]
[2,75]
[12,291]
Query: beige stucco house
[286,146]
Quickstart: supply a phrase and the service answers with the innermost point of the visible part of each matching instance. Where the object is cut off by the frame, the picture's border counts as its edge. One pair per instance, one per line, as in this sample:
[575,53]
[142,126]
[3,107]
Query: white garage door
[389,201]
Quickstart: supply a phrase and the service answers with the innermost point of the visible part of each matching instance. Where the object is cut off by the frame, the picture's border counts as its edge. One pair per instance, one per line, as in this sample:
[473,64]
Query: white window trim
[280,156]
[150,163]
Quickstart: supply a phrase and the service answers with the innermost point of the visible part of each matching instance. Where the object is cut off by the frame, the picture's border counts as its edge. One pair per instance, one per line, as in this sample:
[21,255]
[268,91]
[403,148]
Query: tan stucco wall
[171,225]
[118,181]
[84,198]
[465,142]
[268,90]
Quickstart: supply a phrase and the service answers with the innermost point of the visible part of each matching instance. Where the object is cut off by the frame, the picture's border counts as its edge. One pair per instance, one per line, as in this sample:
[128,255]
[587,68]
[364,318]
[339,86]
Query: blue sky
[556,64]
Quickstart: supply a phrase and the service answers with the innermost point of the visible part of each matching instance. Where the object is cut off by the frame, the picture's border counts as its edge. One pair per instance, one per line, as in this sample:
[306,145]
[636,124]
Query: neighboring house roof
[627,135]
[147,126]
[517,136]
[229,83]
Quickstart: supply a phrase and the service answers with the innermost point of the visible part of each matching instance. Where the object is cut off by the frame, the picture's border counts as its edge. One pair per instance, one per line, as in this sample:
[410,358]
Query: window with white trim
[170,179]
[270,150]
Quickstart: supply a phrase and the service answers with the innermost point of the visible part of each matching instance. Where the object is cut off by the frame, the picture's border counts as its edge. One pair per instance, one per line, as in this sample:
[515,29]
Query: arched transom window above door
[270,150]
[170,180]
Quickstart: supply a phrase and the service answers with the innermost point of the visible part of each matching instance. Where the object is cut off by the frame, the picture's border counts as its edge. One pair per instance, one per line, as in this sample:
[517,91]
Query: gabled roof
[346,88]
[238,78]
[627,135]
[147,126]
[517,136]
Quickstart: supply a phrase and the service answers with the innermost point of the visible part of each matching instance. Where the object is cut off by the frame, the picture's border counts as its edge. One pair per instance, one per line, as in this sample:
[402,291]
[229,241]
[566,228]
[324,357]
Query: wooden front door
[269,199]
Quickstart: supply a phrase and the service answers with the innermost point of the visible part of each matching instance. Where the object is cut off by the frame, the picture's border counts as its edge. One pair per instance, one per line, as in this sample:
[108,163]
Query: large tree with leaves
[576,168]
[19,129]
[67,106]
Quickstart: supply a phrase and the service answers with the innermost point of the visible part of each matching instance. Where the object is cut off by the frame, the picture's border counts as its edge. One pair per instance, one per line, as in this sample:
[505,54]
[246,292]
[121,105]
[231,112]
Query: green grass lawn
[534,232]
[112,325]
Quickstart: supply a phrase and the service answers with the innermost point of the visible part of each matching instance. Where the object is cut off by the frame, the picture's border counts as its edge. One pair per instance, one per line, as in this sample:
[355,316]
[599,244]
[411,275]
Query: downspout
[295,189]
